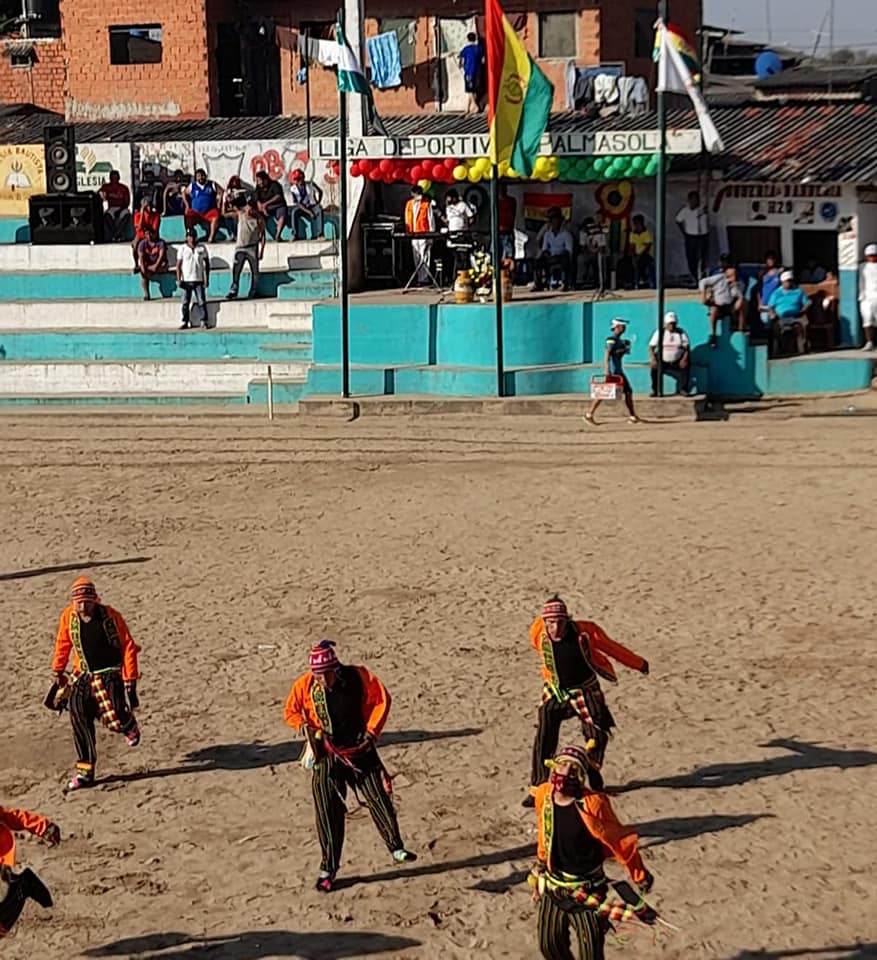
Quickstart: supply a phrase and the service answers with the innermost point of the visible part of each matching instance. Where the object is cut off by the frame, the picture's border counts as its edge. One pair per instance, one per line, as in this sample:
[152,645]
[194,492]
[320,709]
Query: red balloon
[417,172]
[354,170]
[438,172]
[365,165]
[374,174]
[450,163]
[386,165]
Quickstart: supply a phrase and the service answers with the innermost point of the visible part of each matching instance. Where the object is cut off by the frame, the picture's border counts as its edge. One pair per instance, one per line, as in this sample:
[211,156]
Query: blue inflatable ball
[767,63]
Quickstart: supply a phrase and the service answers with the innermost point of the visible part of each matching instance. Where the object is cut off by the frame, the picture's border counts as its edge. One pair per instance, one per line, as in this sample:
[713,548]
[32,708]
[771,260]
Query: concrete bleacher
[74,327]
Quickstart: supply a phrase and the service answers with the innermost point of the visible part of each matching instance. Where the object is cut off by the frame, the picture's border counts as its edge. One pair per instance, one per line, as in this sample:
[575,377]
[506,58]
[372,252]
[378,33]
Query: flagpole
[497,276]
[307,69]
[342,230]
[661,206]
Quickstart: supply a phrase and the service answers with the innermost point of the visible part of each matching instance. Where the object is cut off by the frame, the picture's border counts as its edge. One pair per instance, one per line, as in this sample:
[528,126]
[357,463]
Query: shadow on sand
[854,951]
[254,945]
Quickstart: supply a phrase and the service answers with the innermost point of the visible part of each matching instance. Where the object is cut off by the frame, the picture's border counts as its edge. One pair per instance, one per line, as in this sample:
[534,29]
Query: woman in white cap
[868,296]
[788,311]
[616,347]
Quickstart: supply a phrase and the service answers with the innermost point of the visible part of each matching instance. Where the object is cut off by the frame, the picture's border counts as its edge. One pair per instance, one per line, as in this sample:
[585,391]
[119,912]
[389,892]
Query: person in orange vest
[105,674]
[577,832]
[573,653]
[420,218]
[26,885]
[343,709]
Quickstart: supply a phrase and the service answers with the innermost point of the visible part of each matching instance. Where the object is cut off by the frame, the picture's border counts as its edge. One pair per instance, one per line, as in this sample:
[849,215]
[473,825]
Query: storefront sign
[767,199]
[608,144]
[22,174]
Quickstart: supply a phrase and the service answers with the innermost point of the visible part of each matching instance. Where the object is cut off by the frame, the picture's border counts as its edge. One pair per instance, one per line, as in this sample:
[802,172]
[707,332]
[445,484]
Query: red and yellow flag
[519,95]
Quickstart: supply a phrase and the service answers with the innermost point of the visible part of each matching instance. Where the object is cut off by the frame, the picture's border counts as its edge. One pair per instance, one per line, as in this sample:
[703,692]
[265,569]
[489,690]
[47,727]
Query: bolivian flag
[519,95]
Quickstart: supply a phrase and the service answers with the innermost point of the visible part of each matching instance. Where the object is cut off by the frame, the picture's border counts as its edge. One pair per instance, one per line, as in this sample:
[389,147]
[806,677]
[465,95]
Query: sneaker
[231,295]
[79,782]
[404,856]
[325,883]
[869,346]
[589,419]
[713,341]
[184,325]
[528,801]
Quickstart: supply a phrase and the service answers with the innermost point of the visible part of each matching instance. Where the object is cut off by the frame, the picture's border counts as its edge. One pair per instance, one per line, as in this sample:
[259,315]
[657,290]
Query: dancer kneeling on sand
[343,710]
[25,885]
[573,652]
[578,831]
[105,673]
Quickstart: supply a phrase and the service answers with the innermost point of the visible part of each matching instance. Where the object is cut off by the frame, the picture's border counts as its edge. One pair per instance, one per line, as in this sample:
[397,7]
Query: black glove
[131,690]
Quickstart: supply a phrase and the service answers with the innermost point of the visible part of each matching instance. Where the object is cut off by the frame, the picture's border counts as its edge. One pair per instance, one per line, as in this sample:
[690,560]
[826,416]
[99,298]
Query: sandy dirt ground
[738,557]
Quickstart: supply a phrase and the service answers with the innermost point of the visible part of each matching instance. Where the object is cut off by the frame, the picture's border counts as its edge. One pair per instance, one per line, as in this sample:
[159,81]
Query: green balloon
[639,163]
[600,164]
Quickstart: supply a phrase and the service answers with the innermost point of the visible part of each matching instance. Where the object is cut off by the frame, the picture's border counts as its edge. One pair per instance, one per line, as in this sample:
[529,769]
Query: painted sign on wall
[94,161]
[22,174]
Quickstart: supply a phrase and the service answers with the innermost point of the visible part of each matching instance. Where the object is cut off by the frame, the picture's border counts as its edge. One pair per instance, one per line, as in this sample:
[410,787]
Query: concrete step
[108,401]
[172,377]
[198,344]
[302,291]
[93,258]
[284,390]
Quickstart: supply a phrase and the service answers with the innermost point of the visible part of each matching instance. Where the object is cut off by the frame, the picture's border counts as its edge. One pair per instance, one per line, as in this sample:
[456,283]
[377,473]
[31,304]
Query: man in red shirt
[151,259]
[146,218]
[117,197]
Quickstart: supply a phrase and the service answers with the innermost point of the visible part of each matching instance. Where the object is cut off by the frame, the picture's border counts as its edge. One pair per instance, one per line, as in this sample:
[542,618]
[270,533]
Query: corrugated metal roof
[827,142]
[820,77]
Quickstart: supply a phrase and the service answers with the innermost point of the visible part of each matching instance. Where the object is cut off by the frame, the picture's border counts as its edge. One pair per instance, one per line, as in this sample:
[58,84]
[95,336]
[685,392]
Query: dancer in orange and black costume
[25,885]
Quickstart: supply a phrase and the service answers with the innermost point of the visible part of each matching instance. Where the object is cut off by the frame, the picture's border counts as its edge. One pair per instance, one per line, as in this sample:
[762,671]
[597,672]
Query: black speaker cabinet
[66,218]
[59,142]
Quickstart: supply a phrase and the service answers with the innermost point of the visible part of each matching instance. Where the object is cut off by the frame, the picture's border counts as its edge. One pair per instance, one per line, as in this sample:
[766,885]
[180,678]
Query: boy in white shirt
[868,296]
[675,353]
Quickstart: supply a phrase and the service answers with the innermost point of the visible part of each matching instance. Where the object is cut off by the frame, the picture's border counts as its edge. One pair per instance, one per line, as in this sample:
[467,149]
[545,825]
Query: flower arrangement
[482,272]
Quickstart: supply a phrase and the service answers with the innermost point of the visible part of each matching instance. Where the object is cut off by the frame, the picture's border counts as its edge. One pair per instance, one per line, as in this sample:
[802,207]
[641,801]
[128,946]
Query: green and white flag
[352,79]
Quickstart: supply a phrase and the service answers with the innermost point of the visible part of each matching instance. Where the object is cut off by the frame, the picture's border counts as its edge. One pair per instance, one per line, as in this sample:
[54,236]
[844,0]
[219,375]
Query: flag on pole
[519,95]
[678,73]
[352,79]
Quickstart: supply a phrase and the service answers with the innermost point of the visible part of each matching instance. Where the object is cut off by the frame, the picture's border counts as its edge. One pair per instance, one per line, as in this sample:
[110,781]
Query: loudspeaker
[68,218]
[59,142]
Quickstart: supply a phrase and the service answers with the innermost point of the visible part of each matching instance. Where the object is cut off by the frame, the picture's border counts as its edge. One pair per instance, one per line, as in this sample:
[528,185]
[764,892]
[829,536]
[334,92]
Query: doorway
[814,249]
[750,244]
[248,69]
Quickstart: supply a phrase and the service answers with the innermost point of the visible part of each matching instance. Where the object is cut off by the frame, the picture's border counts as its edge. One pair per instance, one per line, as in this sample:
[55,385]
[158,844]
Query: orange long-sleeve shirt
[619,841]
[64,644]
[600,647]
[12,819]
[300,709]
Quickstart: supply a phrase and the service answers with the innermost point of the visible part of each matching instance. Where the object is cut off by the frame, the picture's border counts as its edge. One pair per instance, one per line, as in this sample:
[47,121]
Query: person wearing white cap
[868,296]
[613,359]
[675,348]
[787,307]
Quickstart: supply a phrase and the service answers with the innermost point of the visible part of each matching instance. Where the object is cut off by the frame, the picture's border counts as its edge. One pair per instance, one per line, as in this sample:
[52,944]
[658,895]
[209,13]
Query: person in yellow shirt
[640,250]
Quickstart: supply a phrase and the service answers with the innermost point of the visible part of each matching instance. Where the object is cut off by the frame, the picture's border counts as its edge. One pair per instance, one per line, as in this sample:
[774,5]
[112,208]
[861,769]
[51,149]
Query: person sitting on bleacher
[724,295]
[172,202]
[117,197]
[788,306]
[146,218]
[151,258]
[768,281]
[305,197]
[557,252]
[203,199]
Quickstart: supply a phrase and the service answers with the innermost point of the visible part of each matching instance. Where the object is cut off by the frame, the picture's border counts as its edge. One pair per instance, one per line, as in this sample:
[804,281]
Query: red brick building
[207,58]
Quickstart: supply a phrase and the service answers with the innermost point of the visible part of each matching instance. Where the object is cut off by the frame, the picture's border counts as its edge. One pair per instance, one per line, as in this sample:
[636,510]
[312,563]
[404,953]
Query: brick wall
[43,83]
[97,89]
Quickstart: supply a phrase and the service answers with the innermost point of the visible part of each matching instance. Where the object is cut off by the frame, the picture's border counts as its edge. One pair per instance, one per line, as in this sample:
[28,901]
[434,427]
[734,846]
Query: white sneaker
[869,346]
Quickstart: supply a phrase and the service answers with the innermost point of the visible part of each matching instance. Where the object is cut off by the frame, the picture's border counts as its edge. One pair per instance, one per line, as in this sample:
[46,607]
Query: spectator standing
[459,216]
[768,281]
[146,218]
[151,258]
[203,198]
[270,201]
[617,347]
[472,64]
[193,277]
[788,306]
[420,218]
[557,251]
[249,247]
[306,199]
[117,197]
[692,222]
[173,203]
[868,296]
[724,295]
[675,353]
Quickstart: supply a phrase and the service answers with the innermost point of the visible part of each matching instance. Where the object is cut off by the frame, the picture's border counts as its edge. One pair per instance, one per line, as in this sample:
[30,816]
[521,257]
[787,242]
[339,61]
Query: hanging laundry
[385,59]
[633,96]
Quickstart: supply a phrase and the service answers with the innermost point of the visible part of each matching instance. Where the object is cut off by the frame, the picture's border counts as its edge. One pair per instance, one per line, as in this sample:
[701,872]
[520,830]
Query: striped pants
[560,916]
[100,697]
[329,784]
[552,713]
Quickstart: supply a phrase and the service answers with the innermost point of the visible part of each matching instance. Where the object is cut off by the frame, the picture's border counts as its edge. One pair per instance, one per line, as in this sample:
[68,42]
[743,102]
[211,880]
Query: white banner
[611,143]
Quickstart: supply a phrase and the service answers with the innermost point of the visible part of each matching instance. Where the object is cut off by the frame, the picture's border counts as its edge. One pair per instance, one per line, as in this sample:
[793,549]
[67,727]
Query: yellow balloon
[425,185]
[540,165]
[460,172]
[504,168]
[484,166]
[473,175]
